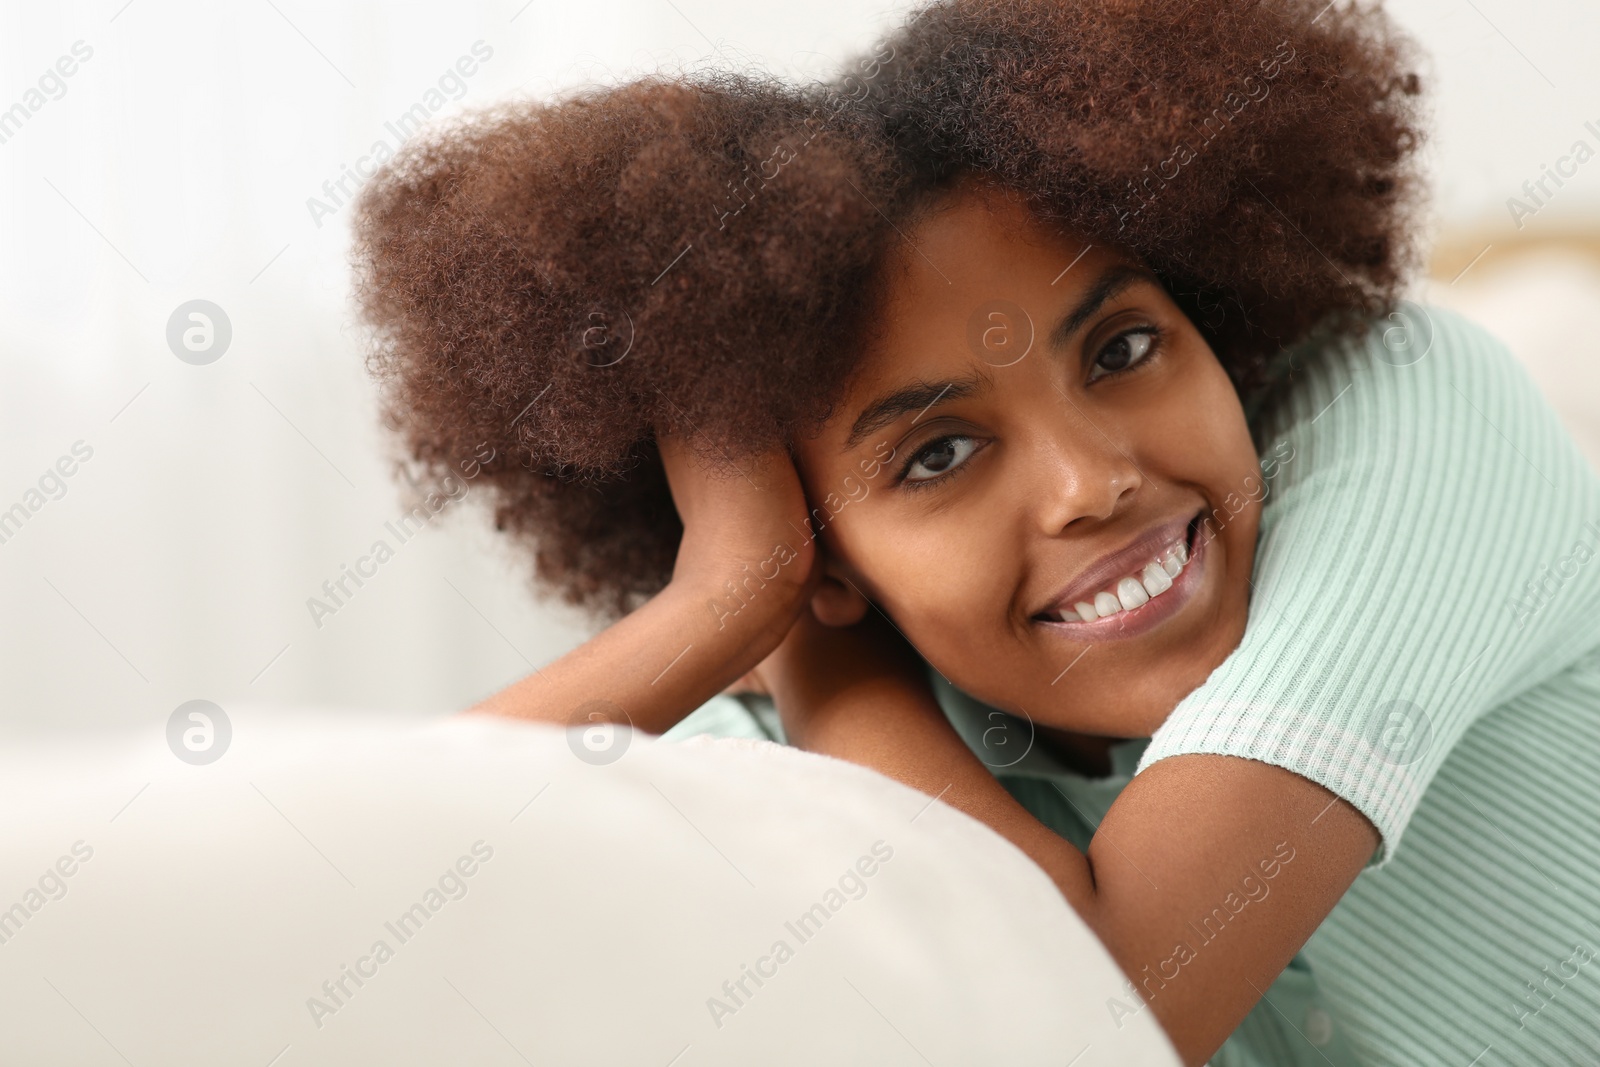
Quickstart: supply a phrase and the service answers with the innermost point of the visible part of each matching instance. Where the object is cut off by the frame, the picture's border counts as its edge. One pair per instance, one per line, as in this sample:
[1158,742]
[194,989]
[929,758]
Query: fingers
[735,513]
[774,469]
[693,458]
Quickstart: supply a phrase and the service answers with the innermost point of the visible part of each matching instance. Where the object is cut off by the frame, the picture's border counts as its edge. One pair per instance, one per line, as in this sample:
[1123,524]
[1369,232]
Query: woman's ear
[837,601]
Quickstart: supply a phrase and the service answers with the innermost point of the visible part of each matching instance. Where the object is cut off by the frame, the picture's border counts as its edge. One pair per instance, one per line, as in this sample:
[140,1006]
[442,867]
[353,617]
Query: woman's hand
[740,524]
[746,568]
[816,663]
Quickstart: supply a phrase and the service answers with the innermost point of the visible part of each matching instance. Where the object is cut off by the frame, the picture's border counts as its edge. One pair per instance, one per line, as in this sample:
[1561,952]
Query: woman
[1006,332]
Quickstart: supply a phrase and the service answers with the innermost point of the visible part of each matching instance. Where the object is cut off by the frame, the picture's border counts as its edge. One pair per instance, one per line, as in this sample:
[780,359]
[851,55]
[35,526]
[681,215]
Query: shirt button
[1319,1026]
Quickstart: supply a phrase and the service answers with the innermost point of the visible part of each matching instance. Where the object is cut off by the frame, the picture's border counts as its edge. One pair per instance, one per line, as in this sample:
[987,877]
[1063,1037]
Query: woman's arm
[657,664]
[686,644]
[1415,570]
[1172,851]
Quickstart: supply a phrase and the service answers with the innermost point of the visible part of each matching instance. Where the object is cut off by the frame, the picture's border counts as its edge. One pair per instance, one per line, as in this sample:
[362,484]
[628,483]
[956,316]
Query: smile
[1140,599]
[1133,590]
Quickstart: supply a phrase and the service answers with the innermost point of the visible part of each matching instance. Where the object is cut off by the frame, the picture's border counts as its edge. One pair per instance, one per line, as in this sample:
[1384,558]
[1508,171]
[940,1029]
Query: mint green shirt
[1423,641]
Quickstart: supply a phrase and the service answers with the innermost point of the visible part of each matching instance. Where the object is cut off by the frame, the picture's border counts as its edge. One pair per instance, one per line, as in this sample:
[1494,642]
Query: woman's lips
[1104,572]
[1153,609]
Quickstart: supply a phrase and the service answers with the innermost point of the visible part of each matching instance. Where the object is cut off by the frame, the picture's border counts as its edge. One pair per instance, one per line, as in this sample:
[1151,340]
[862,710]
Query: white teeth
[1131,593]
[1155,579]
[1134,590]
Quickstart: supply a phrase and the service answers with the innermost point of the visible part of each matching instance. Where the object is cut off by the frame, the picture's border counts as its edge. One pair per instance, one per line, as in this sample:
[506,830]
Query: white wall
[177,164]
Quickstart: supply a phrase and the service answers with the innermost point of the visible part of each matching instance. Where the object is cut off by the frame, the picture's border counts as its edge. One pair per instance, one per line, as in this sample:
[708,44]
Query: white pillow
[175,914]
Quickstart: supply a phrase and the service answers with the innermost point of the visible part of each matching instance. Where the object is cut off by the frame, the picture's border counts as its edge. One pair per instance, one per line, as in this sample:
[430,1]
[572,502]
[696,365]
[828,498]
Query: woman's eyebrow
[918,396]
[1112,281]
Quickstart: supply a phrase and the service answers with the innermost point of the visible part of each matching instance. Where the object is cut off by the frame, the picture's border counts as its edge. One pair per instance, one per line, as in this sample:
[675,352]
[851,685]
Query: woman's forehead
[969,275]
[974,285]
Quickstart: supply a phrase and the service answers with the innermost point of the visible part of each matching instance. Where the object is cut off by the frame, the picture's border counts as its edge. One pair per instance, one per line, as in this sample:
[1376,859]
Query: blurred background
[195,152]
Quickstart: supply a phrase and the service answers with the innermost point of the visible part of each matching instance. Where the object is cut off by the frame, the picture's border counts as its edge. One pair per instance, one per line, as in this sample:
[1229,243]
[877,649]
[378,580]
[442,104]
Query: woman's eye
[1124,350]
[938,458]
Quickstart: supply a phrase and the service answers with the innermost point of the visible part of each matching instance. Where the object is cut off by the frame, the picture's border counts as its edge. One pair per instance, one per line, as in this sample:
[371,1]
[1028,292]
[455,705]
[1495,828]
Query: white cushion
[207,905]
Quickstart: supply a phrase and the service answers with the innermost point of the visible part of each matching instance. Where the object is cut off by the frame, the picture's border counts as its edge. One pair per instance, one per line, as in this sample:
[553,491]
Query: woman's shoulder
[1427,356]
[1425,396]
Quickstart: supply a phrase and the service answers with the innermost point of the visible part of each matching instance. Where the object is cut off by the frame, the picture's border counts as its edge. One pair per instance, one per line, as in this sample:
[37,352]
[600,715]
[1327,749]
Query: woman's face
[1038,429]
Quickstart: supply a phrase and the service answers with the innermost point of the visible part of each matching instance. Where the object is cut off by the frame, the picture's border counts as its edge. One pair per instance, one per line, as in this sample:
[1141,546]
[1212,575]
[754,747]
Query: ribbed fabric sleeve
[1426,553]
[1479,944]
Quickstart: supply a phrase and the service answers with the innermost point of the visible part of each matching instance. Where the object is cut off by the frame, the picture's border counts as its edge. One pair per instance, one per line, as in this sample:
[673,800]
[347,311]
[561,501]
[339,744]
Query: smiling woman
[596,209]
[1073,479]
[1071,410]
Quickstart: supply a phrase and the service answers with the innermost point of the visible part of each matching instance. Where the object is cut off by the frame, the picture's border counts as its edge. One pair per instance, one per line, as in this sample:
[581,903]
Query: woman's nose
[1085,474]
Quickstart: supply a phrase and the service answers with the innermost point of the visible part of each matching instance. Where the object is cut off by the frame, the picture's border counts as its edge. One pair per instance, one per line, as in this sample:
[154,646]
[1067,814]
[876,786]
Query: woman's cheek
[1214,428]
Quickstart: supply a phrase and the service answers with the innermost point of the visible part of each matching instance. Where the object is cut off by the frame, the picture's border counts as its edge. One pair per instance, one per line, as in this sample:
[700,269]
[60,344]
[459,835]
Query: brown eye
[937,458]
[1124,350]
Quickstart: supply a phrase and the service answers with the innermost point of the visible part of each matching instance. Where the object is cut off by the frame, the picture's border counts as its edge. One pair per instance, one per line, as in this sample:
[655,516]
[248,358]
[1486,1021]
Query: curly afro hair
[1258,156]
[550,284]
